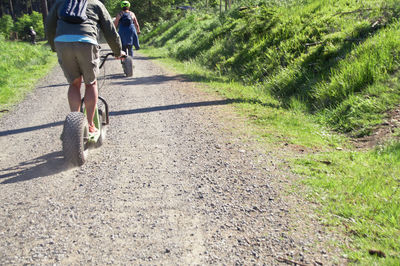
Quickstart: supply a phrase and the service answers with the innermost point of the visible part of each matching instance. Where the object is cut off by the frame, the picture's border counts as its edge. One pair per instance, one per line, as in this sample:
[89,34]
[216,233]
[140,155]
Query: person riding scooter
[128,28]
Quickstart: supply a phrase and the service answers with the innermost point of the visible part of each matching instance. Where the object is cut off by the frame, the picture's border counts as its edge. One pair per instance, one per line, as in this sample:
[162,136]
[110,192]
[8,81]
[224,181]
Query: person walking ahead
[128,28]
[78,51]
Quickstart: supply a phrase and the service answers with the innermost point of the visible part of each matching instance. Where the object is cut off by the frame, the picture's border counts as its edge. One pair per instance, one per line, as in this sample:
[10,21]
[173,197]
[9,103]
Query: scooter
[76,138]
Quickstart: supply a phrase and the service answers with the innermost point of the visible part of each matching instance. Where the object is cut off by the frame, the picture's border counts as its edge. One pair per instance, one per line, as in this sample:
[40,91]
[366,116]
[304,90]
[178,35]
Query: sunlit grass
[360,190]
[335,58]
[21,66]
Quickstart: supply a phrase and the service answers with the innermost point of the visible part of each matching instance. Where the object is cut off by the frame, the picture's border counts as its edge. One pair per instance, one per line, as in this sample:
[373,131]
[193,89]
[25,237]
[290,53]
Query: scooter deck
[94,137]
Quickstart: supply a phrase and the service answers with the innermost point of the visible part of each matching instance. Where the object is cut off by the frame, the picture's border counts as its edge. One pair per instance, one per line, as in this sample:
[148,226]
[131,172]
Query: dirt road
[177,182]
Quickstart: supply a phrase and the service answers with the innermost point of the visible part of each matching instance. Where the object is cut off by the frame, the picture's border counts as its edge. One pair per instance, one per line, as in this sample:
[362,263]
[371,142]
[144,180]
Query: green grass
[21,66]
[360,191]
[338,59]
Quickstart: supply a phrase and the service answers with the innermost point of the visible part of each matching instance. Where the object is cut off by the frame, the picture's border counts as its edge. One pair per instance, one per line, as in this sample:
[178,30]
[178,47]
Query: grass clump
[20,67]
[360,191]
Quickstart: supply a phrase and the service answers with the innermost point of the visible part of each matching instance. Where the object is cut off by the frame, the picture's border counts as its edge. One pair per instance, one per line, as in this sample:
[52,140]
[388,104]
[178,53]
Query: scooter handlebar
[103,58]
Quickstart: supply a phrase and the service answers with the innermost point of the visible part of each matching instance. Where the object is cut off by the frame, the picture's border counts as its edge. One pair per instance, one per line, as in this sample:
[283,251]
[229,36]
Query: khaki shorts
[78,59]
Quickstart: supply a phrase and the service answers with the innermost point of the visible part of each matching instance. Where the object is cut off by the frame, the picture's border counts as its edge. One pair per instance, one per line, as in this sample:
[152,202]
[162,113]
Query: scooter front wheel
[75,138]
[127,66]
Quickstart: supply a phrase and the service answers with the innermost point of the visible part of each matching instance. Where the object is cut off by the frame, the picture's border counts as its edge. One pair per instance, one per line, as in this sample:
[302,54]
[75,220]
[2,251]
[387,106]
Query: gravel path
[177,182]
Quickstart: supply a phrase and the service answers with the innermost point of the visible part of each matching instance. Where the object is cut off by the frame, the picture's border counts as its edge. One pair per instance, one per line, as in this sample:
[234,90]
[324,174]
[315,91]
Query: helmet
[125,4]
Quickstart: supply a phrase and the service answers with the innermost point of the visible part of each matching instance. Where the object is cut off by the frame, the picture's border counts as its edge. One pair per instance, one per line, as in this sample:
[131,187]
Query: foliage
[23,23]
[6,26]
[147,12]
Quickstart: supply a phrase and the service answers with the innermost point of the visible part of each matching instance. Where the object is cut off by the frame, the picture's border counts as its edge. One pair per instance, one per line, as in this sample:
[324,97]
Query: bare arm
[110,33]
[117,18]
[135,21]
[51,26]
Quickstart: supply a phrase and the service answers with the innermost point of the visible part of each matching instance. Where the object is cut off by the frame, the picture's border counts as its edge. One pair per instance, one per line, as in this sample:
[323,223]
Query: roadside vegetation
[315,76]
[21,66]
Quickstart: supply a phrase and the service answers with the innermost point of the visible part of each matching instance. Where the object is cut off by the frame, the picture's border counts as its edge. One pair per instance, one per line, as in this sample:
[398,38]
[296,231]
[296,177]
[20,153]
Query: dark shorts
[79,59]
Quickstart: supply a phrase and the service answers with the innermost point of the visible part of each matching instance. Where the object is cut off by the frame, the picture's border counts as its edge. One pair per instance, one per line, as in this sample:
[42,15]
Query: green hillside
[336,59]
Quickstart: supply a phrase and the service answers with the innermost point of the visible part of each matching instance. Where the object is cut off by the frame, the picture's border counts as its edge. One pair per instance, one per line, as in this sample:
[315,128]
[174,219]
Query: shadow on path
[54,85]
[159,79]
[144,58]
[144,110]
[45,165]
[28,129]
[156,79]
[171,107]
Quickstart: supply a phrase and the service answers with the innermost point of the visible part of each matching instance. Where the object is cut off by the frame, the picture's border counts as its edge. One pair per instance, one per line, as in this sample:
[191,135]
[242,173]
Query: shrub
[6,25]
[23,23]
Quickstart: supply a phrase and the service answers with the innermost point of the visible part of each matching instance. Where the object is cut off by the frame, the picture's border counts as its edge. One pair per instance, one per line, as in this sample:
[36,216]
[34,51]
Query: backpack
[74,11]
[126,19]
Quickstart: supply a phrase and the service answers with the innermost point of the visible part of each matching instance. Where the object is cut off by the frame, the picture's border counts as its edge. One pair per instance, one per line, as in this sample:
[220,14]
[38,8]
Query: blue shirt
[75,38]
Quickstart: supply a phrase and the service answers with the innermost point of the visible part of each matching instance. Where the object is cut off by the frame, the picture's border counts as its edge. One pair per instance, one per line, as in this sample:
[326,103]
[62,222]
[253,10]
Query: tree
[6,25]
[12,9]
[44,10]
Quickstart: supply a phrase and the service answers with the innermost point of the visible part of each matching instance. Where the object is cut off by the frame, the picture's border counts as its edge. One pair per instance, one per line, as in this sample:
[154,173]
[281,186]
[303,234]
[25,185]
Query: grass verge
[21,66]
[358,190]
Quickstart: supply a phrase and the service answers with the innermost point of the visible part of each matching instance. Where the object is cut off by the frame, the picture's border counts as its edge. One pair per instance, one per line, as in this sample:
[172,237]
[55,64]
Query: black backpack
[74,11]
[126,19]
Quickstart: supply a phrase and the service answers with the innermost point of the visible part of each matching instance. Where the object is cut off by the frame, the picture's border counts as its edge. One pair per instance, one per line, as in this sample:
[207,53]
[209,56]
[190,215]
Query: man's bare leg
[91,95]
[74,95]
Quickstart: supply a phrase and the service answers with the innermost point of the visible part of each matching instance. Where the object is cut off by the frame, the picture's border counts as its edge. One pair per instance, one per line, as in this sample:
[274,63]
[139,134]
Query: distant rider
[32,35]
[128,28]
[78,51]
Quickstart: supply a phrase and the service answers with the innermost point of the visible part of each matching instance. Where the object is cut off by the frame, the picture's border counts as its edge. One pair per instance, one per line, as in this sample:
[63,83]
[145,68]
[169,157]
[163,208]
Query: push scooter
[76,138]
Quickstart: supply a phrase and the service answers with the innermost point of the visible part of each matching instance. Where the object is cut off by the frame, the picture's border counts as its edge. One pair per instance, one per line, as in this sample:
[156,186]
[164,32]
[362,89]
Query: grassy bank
[338,60]
[21,66]
[310,75]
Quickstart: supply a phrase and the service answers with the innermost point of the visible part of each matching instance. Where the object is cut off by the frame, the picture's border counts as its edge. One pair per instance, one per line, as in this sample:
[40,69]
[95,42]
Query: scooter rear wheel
[75,138]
